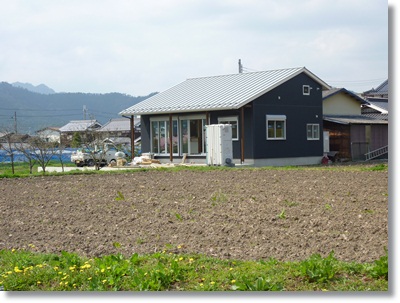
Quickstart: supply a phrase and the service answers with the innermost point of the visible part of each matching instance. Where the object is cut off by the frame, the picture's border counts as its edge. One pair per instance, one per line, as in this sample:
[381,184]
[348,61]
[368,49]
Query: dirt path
[237,214]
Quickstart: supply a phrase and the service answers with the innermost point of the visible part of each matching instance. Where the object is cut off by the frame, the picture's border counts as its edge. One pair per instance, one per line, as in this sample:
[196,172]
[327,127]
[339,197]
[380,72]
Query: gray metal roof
[217,92]
[381,90]
[80,125]
[118,124]
[381,105]
[354,119]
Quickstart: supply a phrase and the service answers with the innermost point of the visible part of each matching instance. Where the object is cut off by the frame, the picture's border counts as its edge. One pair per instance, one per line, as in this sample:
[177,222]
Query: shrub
[318,269]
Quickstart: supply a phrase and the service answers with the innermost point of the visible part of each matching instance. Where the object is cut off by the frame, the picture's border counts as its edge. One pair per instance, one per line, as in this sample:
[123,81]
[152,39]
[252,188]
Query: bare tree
[59,153]
[29,155]
[8,146]
[43,151]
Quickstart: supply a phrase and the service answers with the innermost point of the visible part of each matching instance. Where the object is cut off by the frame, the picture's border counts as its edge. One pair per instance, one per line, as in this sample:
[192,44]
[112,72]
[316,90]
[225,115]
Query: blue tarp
[19,157]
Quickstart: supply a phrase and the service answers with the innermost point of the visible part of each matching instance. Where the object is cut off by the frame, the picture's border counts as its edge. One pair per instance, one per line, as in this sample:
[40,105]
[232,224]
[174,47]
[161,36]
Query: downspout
[132,122]
[171,158]
[242,135]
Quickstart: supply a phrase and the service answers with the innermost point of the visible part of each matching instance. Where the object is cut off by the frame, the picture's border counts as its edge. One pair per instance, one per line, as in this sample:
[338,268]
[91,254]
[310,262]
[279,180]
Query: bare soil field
[237,214]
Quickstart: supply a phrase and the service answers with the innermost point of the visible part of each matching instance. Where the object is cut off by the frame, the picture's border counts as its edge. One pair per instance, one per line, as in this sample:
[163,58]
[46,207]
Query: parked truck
[102,157]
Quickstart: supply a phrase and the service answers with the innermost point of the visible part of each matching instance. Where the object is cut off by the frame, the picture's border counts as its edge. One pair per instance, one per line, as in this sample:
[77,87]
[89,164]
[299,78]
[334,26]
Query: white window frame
[189,118]
[313,127]
[164,119]
[226,120]
[306,90]
[276,118]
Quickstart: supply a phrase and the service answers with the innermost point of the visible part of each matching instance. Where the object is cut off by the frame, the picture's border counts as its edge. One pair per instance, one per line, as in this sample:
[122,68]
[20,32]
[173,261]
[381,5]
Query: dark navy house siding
[299,110]
[288,99]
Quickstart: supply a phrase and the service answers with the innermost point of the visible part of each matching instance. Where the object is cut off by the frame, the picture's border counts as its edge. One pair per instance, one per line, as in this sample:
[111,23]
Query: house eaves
[215,93]
[353,119]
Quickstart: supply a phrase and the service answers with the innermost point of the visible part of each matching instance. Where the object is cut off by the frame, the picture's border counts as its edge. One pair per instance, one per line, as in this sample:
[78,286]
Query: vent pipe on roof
[240,67]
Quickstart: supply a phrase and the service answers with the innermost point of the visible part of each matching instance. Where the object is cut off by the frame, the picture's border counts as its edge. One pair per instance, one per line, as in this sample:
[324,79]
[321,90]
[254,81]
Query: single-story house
[49,134]
[119,130]
[85,128]
[348,134]
[276,117]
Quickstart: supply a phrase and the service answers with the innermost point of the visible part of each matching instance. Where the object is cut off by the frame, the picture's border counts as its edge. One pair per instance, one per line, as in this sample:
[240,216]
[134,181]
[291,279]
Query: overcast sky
[141,46]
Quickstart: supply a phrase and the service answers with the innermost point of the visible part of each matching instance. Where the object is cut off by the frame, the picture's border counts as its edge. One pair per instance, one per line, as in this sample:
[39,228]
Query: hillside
[35,111]
[41,88]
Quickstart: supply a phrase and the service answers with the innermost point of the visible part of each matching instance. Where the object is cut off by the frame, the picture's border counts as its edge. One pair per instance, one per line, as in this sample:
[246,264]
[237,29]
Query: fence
[19,157]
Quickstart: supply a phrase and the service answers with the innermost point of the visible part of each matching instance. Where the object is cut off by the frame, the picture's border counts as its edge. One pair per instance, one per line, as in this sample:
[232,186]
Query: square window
[306,90]
[276,127]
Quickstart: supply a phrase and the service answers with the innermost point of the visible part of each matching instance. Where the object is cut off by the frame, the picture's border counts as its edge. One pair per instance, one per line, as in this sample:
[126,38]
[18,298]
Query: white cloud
[138,47]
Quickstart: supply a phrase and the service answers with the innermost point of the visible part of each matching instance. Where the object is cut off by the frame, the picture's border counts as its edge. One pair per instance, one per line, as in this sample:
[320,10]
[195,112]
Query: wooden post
[242,135]
[132,124]
[171,157]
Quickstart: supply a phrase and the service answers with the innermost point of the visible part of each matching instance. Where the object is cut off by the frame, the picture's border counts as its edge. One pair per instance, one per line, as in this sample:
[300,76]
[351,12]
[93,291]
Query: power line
[40,110]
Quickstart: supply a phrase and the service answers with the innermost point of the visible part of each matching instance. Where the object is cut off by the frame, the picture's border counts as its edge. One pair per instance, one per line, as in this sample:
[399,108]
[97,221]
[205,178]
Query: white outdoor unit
[219,144]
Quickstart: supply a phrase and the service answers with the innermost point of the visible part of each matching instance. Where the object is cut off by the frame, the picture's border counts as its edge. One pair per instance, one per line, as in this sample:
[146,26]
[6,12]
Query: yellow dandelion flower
[60,272]
[233,281]
[16,269]
[191,260]
[180,259]
[201,284]
[38,282]
[104,281]
[12,250]
[231,268]
[212,282]
[31,245]
[179,246]
[102,270]
[39,265]
[66,283]
[61,283]
[90,278]
[9,272]
[72,267]
[55,267]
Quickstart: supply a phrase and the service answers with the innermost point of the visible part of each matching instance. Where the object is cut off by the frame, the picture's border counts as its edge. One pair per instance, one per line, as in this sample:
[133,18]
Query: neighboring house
[85,128]
[382,91]
[377,105]
[276,117]
[347,133]
[376,108]
[119,130]
[49,134]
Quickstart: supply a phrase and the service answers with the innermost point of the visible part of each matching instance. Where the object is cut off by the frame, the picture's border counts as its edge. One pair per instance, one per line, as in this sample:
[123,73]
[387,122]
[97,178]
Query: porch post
[242,134]
[132,124]
[171,158]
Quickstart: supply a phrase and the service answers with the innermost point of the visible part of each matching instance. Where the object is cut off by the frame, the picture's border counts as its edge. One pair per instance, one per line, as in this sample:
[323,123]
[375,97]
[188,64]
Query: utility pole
[15,123]
[240,67]
[84,112]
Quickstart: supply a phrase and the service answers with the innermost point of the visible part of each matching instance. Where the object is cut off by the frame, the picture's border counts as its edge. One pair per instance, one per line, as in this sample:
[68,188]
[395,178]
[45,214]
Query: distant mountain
[41,88]
[35,111]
